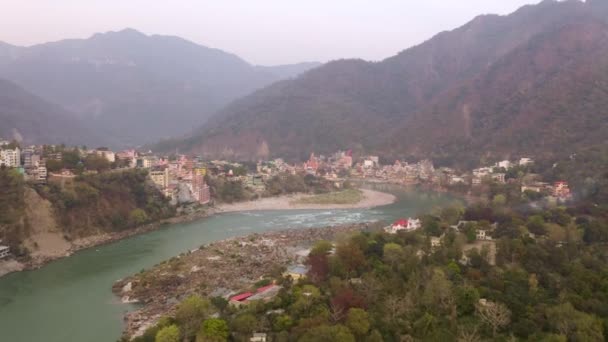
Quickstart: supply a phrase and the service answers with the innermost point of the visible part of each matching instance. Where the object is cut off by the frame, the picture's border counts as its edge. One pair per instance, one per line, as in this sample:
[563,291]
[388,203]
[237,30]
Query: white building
[482,172]
[403,225]
[41,171]
[160,177]
[4,252]
[10,158]
[526,161]
[482,235]
[258,337]
[109,155]
[503,164]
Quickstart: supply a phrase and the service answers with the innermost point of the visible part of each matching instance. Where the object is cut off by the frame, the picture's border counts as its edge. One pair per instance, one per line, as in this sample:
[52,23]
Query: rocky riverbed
[219,269]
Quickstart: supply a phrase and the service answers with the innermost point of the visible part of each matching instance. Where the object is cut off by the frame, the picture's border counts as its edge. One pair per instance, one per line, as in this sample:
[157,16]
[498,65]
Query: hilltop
[529,82]
[136,88]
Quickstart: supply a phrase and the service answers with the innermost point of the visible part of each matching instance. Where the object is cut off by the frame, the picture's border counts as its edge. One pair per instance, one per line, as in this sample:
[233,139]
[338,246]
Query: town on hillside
[185,179]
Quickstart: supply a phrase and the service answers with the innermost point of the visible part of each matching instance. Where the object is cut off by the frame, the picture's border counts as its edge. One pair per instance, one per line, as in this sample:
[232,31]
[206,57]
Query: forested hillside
[532,82]
[84,206]
[542,277]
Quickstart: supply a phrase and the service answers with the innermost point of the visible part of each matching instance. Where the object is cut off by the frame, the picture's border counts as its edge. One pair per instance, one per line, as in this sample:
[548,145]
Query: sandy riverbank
[370,199]
[45,255]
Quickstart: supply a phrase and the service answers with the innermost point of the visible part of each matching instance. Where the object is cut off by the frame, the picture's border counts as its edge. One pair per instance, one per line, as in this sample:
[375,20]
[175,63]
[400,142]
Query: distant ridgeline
[530,83]
[80,207]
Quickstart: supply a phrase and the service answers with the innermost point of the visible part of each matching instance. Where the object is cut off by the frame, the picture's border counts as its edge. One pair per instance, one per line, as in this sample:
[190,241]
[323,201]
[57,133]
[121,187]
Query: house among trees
[482,235]
[258,337]
[296,272]
[403,225]
[561,190]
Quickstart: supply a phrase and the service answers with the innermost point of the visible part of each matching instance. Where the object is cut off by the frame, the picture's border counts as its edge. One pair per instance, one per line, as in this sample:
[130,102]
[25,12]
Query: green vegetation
[13,223]
[373,286]
[348,196]
[228,190]
[287,183]
[109,202]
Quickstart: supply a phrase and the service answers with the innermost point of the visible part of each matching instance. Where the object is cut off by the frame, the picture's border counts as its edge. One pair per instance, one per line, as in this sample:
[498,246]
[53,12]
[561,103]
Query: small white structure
[503,164]
[403,225]
[526,161]
[482,235]
[435,242]
[258,337]
[4,252]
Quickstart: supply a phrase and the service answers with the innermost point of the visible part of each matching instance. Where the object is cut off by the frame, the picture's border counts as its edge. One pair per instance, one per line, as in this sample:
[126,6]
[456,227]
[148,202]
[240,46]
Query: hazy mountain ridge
[412,104]
[23,115]
[133,87]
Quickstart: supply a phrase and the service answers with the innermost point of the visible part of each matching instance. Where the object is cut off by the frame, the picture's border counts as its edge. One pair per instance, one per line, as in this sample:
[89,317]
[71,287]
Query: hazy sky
[261,31]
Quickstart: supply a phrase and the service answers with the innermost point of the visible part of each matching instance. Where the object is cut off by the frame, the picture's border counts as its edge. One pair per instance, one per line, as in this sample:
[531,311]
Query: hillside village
[186,180]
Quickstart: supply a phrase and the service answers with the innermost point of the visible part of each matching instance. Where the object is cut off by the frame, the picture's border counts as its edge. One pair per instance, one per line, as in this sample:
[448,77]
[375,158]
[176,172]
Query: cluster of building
[28,161]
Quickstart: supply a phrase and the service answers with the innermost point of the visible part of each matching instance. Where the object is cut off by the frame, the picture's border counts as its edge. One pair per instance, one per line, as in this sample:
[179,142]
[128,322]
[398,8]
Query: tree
[190,313]
[392,252]
[245,323]
[536,225]
[437,294]
[495,314]
[168,334]
[282,323]
[470,230]
[96,163]
[357,320]
[466,298]
[374,336]
[576,325]
[213,330]
[324,333]
[318,262]
[351,256]
[137,217]
[499,200]
[431,226]
[452,214]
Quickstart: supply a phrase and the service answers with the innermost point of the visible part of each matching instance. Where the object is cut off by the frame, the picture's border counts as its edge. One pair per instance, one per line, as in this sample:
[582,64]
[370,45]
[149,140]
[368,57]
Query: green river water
[71,299]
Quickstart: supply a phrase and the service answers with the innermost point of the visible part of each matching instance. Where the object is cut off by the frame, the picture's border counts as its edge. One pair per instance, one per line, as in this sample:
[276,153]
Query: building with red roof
[403,224]
[241,297]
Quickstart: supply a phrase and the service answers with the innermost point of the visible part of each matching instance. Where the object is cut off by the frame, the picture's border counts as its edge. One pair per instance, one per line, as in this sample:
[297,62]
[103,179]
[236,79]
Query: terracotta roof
[241,297]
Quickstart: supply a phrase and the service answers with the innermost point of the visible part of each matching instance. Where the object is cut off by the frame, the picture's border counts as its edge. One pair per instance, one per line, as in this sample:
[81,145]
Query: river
[71,299]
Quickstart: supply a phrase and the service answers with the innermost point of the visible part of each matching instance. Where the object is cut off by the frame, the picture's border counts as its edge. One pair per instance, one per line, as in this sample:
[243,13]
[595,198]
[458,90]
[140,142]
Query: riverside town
[304,171]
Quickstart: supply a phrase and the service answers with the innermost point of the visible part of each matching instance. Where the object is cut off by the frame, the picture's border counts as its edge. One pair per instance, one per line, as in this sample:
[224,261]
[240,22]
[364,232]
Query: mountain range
[534,82]
[26,117]
[134,88]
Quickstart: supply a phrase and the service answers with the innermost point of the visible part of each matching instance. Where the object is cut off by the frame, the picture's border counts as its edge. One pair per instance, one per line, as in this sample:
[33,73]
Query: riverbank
[219,269]
[370,199]
[42,257]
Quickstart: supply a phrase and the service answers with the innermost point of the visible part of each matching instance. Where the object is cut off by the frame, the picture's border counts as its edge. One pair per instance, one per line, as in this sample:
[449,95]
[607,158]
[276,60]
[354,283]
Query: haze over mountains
[26,116]
[534,82]
[133,88]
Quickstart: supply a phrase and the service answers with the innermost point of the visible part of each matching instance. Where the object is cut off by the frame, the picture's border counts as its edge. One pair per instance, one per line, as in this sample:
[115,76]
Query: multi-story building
[41,174]
[160,177]
[109,155]
[200,189]
[10,158]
